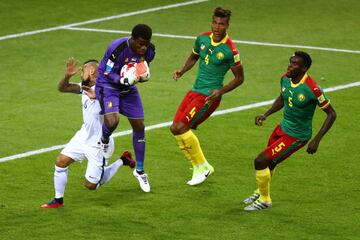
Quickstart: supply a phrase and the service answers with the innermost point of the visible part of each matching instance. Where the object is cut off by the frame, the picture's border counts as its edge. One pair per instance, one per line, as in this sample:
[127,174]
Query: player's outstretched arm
[71,69]
[276,106]
[190,62]
[330,119]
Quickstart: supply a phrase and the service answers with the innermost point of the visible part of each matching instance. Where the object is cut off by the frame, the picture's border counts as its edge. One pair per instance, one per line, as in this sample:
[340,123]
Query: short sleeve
[322,100]
[196,48]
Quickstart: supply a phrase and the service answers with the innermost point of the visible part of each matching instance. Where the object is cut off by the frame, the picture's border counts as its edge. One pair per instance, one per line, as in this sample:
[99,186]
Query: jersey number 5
[290,101]
[278,148]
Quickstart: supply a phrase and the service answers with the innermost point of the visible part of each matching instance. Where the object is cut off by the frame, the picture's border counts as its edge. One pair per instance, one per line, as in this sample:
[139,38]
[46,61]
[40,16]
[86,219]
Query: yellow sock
[263,180]
[190,146]
[271,174]
[183,147]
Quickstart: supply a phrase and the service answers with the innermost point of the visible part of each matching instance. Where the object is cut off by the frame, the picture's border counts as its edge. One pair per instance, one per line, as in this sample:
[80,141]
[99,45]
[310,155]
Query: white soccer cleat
[107,149]
[255,196]
[195,169]
[201,173]
[143,180]
[258,205]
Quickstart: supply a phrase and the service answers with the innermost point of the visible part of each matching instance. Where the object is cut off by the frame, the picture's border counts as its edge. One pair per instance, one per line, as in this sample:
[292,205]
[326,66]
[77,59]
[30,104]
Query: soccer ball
[132,73]
[128,74]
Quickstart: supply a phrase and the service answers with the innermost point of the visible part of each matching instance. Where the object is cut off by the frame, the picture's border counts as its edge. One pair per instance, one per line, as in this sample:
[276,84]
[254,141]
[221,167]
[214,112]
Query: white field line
[166,124]
[17,35]
[235,41]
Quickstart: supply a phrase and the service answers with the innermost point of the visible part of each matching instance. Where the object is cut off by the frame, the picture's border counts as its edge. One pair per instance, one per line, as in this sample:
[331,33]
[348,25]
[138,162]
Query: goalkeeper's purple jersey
[117,55]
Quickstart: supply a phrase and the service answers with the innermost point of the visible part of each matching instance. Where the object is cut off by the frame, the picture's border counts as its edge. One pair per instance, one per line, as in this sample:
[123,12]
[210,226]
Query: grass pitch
[314,196]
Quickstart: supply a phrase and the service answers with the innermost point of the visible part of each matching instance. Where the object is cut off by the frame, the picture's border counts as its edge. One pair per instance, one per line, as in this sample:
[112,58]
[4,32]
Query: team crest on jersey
[220,55]
[321,99]
[202,47]
[109,104]
[283,89]
[301,97]
[126,60]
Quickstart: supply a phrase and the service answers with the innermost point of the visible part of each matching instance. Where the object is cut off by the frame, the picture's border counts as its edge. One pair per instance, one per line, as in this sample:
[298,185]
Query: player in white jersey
[84,144]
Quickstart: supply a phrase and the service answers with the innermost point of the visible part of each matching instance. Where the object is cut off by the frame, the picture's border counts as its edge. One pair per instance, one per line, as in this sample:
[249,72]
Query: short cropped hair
[141,31]
[305,57]
[91,60]
[222,13]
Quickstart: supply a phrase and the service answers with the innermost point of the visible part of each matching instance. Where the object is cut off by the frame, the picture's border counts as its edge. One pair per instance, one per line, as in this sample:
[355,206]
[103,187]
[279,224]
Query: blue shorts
[127,103]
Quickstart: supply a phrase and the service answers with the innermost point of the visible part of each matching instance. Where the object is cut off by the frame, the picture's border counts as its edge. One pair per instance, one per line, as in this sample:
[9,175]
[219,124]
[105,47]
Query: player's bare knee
[261,161]
[60,163]
[111,125]
[63,161]
[139,128]
[137,124]
[111,121]
[90,186]
[175,129]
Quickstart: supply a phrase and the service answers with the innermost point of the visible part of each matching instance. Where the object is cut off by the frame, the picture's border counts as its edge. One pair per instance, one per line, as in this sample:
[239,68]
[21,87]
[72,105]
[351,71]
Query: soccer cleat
[258,205]
[126,157]
[106,148]
[255,196]
[201,173]
[53,204]
[195,169]
[143,180]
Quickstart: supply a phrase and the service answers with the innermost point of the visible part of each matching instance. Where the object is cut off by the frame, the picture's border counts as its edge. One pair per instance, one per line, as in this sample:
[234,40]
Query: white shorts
[77,150]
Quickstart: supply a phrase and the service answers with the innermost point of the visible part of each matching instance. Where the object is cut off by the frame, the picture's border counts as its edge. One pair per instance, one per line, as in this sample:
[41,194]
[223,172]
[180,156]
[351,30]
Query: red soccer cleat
[127,159]
[53,204]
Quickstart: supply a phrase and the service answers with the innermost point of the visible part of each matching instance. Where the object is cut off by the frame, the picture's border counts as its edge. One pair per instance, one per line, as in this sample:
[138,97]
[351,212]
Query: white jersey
[84,144]
[91,129]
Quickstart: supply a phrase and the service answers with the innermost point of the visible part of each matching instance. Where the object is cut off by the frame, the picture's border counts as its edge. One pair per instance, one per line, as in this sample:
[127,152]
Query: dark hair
[90,60]
[223,13]
[141,31]
[305,57]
